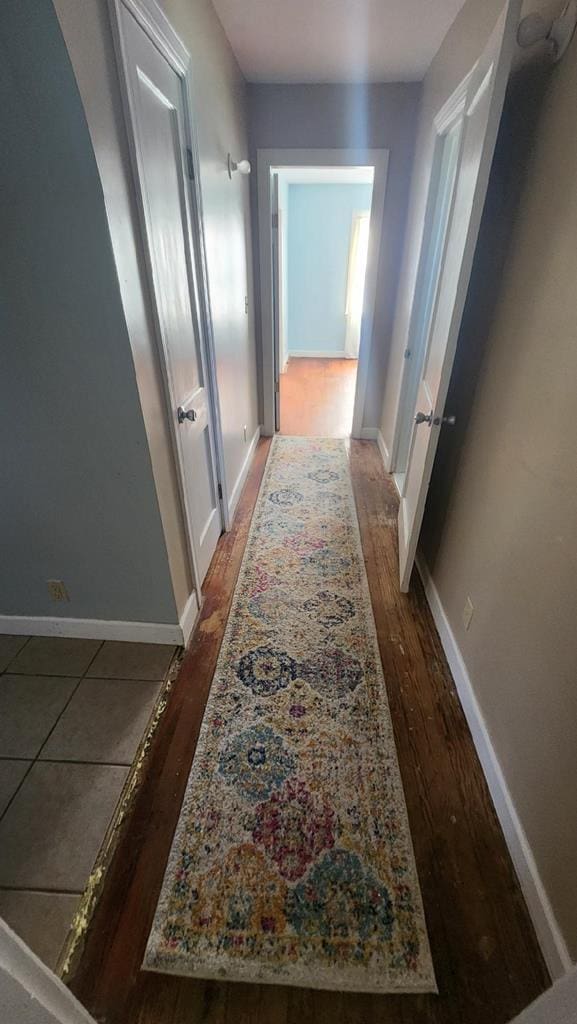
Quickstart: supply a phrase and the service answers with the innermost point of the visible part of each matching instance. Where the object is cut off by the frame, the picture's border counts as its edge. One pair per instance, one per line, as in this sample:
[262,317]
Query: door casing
[267,160]
[157,27]
[487,80]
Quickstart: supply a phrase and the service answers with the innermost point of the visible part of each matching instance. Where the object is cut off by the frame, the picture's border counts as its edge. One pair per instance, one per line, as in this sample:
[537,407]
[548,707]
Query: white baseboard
[318,353]
[398,480]
[374,434]
[240,481]
[188,618]
[92,629]
[384,452]
[551,941]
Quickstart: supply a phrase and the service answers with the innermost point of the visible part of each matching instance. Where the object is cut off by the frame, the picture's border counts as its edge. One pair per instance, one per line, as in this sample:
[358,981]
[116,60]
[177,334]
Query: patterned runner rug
[292,860]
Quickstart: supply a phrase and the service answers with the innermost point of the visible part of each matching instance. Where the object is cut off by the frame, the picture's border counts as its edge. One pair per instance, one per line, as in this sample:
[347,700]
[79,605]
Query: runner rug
[292,860]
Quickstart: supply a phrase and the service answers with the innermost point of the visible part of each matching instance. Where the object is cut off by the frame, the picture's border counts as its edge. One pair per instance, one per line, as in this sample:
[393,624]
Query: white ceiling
[335,40]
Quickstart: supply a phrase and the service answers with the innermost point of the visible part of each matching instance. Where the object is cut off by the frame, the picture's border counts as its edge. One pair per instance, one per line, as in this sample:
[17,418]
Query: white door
[157,115]
[276,298]
[474,114]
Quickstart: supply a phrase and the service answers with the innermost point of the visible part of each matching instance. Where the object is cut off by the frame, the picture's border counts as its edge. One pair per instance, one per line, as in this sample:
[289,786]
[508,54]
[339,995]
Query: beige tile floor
[72,713]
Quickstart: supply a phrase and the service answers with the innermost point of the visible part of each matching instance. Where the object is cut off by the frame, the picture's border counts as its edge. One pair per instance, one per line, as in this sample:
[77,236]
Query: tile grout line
[38,759]
[43,744]
[35,759]
[40,891]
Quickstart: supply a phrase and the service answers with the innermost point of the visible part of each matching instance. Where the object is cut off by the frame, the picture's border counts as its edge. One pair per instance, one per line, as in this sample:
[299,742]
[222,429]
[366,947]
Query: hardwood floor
[486,957]
[317,397]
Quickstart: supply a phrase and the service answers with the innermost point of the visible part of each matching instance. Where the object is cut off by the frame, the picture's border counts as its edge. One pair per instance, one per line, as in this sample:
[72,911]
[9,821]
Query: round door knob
[421,417]
[449,420]
[182,415]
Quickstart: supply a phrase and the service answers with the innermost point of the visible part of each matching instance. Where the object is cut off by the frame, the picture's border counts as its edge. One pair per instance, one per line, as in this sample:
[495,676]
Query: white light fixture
[243,166]
[559,32]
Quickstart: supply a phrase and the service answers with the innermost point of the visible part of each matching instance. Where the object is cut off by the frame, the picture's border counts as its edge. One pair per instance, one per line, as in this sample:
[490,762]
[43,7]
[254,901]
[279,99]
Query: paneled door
[466,132]
[157,109]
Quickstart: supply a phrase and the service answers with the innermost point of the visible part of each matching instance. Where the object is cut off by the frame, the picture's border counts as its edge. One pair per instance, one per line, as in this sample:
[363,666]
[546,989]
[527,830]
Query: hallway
[317,397]
[485,954]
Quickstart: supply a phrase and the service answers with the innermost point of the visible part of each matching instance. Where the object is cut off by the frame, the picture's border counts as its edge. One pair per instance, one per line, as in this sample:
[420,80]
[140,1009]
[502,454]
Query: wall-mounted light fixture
[559,32]
[243,166]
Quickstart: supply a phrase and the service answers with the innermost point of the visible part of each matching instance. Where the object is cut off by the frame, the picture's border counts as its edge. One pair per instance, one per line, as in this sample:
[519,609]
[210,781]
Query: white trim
[318,353]
[188,618]
[385,455]
[31,989]
[445,118]
[374,434]
[152,19]
[399,482]
[327,176]
[454,106]
[241,478]
[92,629]
[551,941]
[555,1006]
[284,158]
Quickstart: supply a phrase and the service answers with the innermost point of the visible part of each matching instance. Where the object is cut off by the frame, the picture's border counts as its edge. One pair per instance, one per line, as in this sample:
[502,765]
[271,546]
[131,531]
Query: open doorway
[320,215]
[320,234]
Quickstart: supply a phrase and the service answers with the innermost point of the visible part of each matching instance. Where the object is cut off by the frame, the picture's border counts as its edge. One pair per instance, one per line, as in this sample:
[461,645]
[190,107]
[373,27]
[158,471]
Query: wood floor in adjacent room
[486,958]
[317,397]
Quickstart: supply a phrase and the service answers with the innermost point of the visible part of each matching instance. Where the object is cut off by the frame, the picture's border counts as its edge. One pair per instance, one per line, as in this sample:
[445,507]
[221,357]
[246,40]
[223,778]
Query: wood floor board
[317,396]
[484,949]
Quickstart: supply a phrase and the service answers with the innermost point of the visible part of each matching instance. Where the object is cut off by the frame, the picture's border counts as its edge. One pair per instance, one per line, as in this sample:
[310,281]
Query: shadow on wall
[519,124]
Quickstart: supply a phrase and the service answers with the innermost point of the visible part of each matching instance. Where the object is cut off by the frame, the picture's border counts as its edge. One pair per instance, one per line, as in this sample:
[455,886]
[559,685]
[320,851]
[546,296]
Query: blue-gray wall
[318,241]
[78,500]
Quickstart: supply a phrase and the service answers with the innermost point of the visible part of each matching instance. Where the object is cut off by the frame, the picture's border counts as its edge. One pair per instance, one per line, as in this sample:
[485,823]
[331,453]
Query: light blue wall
[318,240]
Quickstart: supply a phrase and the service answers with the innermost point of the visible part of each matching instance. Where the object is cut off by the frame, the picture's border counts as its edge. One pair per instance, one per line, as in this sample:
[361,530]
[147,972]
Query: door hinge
[276,385]
[220,492]
[189,163]
[407,353]
[275,220]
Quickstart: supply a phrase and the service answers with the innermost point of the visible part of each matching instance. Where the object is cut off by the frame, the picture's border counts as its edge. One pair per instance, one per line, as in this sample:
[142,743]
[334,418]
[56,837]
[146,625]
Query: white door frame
[155,24]
[488,78]
[412,363]
[273,158]
[29,989]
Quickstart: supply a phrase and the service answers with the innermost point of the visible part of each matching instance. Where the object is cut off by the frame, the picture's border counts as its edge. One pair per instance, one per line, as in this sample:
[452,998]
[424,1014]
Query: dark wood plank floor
[486,957]
[317,397]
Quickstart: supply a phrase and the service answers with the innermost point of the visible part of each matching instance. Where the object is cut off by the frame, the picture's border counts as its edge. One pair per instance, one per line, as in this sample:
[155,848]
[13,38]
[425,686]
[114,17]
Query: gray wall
[501,520]
[86,28]
[342,116]
[78,497]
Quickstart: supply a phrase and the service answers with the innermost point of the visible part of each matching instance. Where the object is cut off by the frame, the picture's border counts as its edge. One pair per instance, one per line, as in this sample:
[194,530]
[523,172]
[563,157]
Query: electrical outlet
[57,590]
[468,611]
[244,431]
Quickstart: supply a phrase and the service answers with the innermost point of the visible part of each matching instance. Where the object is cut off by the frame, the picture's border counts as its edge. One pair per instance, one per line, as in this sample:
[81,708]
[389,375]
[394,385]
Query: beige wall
[501,519]
[220,112]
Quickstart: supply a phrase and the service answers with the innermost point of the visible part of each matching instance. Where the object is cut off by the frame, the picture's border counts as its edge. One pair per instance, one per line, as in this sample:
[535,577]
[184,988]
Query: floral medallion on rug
[292,860]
